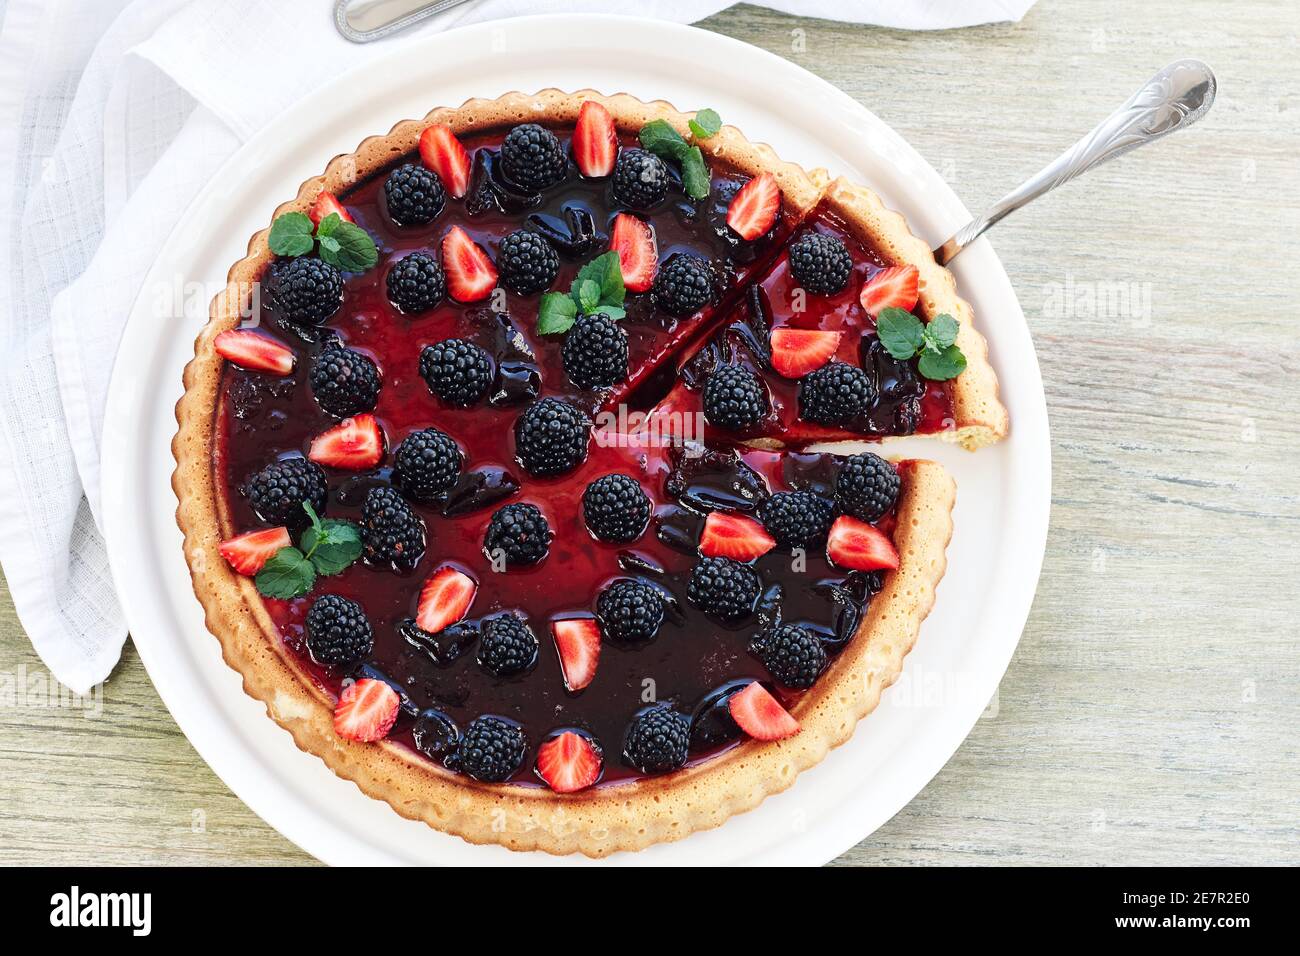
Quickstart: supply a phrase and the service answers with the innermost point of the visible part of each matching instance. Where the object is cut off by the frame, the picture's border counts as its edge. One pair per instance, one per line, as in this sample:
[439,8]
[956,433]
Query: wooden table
[1149,715]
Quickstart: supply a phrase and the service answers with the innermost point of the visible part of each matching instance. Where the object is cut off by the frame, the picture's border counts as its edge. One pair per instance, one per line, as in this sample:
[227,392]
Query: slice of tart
[853,333]
[442,578]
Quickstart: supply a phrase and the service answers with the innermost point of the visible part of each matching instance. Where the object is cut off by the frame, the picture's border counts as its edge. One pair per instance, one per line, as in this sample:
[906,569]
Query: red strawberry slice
[442,152]
[578,641]
[444,599]
[760,715]
[595,143]
[366,711]
[471,276]
[354,444]
[634,241]
[734,536]
[796,352]
[897,287]
[858,546]
[247,552]
[568,762]
[253,350]
[325,204]
[754,208]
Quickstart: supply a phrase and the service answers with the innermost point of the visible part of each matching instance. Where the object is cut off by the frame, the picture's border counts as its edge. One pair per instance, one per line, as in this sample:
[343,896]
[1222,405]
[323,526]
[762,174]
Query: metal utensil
[348,12]
[1173,99]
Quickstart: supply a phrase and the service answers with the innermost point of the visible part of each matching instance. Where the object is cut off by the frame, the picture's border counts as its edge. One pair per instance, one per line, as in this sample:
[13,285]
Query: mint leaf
[901,333]
[288,574]
[350,247]
[659,137]
[290,235]
[328,225]
[615,312]
[706,124]
[556,313]
[941,366]
[695,174]
[587,295]
[941,332]
[606,271]
[334,547]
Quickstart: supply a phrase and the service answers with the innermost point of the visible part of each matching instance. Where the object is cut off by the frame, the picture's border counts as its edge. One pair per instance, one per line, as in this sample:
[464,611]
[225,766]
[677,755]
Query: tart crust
[625,816]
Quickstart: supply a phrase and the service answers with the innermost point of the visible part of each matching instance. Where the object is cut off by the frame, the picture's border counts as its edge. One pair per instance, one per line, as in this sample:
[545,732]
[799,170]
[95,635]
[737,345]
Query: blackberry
[527,262]
[435,734]
[835,394]
[416,283]
[392,533]
[414,194]
[595,352]
[508,646]
[796,518]
[657,740]
[457,371]
[532,158]
[724,588]
[551,437]
[630,612]
[820,263]
[866,486]
[491,749]
[616,509]
[734,398]
[640,178]
[684,284]
[305,290]
[338,632]
[344,381]
[793,655]
[276,493]
[520,532]
[427,463]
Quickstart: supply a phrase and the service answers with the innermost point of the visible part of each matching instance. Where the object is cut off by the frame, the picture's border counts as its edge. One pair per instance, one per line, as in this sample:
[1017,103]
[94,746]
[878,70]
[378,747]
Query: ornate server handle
[1173,99]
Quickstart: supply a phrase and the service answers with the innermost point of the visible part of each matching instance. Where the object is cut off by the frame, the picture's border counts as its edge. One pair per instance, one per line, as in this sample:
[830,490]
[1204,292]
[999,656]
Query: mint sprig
[342,244]
[326,548]
[598,287]
[659,137]
[905,336]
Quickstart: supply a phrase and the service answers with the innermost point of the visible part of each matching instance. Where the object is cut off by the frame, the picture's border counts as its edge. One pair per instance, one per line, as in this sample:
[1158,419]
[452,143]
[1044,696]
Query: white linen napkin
[113,115]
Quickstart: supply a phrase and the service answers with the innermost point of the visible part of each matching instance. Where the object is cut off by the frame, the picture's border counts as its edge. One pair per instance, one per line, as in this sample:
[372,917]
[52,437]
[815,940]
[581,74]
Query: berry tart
[430,525]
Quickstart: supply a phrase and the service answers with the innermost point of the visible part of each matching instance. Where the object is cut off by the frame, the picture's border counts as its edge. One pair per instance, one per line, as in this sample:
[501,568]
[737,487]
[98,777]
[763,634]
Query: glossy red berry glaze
[693,661]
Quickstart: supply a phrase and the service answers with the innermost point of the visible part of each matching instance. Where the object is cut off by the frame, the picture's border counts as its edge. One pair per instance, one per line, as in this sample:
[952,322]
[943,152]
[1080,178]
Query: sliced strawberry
[325,204]
[754,208]
[248,552]
[568,762]
[595,142]
[634,241]
[760,715]
[366,711]
[442,152]
[444,599]
[796,352]
[253,350]
[578,641]
[354,444]
[471,276]
[734,536]
[897,287]
[858,546]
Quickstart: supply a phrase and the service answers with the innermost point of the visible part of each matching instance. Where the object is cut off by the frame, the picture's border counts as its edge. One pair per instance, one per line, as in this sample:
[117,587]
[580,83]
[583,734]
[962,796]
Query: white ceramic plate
[1003,498]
